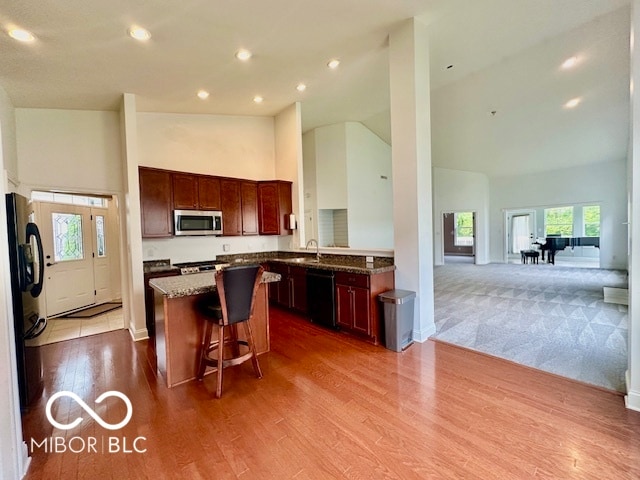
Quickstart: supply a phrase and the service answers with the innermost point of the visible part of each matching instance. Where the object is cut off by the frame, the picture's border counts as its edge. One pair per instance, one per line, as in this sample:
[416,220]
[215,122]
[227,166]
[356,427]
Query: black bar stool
[237,288]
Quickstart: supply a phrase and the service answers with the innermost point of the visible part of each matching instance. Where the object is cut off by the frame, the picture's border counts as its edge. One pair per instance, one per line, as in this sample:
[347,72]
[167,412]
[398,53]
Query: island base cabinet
[179,330]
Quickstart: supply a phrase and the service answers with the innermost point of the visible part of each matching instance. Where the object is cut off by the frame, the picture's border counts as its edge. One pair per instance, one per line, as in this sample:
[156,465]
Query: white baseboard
[139,334]
[423,335]
[632,401]
[25,460]
[616,295]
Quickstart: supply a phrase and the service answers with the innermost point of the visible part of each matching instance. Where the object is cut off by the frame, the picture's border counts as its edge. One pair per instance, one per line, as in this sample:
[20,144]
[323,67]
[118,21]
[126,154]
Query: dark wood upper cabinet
[231,207]
[196,192]
[156,202]
[274,203]
[209,193]
[185,191]
[249,207]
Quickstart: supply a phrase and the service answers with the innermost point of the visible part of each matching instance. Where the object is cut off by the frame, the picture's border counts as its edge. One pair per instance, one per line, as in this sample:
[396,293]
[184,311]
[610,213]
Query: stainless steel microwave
[197,222]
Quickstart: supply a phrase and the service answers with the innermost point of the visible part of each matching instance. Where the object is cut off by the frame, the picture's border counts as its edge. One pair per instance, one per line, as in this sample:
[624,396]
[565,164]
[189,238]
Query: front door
[68,250]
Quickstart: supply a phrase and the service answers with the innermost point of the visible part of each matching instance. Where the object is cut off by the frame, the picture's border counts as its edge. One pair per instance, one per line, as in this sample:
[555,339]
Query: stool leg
[252,347]
[220,360]
[206,341]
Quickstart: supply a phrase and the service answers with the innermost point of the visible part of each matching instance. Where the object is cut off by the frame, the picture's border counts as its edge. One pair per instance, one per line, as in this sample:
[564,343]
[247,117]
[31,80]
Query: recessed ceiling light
[203,94]
[573,102]
[139,33]
[333,63]
[243,55]
[569,63]
[258,99]
[21,35]
[301,87]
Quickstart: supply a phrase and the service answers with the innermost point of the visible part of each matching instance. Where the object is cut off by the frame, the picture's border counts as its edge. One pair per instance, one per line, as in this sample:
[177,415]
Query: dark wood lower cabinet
[352,309]
[291,291]
[358,309]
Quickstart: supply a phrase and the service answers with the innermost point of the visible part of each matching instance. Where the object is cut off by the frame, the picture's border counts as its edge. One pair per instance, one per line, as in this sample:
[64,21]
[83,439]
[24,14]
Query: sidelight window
[100,236]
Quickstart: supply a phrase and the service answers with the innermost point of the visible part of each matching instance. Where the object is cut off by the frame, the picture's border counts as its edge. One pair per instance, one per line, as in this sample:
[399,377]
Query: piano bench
[525,255]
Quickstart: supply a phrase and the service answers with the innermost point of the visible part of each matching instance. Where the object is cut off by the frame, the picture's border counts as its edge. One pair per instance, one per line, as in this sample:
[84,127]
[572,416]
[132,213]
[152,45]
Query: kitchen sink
[303,260]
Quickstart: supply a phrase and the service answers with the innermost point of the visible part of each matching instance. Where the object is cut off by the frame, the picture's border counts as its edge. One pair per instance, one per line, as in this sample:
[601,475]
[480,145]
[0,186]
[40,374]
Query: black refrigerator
[27,277]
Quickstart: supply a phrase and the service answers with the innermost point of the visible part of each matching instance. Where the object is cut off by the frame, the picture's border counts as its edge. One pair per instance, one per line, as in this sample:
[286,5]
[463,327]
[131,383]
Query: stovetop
[197,267]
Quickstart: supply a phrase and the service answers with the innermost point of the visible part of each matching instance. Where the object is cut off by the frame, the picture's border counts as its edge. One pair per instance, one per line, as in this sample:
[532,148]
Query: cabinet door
[231,210]
[249,203]
[298,276]
[185,191]
[360,310]
[268,209]
[274,203]
[209,193]
[156,202]
[343,306]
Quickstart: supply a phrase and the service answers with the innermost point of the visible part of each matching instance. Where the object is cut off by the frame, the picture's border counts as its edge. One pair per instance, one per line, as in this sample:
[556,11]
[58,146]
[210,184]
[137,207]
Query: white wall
[233,146]
[288,139]
[8,128]
[73,150]
[344,166]
[458,191]
[331,166]
[370,189]
[602,183]
[13,452]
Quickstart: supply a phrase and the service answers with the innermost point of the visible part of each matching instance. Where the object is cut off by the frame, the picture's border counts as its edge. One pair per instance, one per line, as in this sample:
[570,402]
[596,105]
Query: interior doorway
[82,292]
[458,237]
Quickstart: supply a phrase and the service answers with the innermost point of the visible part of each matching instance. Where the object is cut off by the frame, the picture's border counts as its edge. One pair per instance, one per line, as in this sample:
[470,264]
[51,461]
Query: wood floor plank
[331,406]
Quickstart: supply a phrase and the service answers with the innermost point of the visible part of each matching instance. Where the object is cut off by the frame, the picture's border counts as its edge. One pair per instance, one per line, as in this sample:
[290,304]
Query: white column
[633,373]
[411,157]
[133,279]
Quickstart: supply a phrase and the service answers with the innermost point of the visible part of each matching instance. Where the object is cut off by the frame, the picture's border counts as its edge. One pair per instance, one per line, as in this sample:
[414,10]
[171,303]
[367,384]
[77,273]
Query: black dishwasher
[321,297]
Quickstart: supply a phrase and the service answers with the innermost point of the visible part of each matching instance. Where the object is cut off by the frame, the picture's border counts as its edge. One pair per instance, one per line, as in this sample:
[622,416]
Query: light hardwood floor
[330,406]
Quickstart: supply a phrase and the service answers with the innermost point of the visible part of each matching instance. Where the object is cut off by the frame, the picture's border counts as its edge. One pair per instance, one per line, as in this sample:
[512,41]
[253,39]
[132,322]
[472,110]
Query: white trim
[139,334]
[423,335]
[632,401]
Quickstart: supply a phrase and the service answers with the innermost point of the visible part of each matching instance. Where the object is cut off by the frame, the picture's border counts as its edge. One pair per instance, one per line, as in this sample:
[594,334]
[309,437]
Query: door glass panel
[100,239]
[67,236]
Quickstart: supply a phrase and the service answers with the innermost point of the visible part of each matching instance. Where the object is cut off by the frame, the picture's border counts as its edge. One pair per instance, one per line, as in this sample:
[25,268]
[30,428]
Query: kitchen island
[179,325]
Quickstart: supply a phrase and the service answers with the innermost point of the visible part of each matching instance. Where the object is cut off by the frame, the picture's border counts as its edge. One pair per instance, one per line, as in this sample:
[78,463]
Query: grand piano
[553,244]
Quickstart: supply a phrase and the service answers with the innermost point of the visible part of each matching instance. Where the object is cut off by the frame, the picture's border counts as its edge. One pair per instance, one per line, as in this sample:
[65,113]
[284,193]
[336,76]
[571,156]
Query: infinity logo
[89,410]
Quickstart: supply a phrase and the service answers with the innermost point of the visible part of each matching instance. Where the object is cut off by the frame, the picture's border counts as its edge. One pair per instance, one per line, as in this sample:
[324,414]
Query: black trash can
[398,318]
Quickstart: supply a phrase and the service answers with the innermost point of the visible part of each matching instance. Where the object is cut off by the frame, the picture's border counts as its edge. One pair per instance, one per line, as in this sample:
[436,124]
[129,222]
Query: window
[68,198]
[558,222]
[464,229]
[591,218]
[67,236]
[100,237]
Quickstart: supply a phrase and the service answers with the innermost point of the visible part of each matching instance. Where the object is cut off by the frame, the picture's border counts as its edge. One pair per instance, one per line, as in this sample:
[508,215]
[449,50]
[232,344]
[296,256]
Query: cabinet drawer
[352,279]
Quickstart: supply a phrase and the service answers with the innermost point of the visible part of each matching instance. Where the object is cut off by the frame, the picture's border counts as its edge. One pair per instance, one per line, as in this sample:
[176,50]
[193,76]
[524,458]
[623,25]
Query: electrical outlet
[226,247]
[369,259]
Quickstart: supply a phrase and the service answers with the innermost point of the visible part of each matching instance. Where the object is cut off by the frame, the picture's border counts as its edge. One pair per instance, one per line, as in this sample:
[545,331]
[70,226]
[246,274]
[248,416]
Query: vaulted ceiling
[498,109]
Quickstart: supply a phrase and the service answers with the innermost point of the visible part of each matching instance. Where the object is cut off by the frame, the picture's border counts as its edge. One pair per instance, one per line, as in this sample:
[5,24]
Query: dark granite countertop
[158,266]
[195,284]
[340,263]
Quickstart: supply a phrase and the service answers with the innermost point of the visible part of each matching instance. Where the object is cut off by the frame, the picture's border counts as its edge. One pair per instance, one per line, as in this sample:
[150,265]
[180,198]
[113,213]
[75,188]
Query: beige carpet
[548,317]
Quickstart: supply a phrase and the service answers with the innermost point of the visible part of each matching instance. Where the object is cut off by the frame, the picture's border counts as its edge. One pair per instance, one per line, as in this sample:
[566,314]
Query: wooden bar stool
[234,304]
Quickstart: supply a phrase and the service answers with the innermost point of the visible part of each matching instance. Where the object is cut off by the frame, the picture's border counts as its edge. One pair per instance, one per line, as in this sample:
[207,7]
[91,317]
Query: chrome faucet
[313,240]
